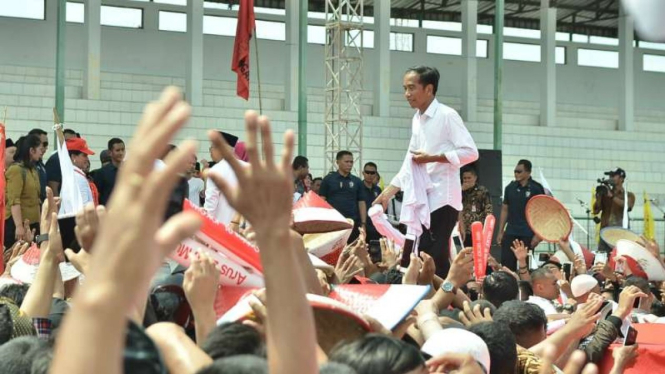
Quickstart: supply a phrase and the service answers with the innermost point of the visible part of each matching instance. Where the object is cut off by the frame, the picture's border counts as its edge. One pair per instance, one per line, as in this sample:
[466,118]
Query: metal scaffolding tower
[343,92]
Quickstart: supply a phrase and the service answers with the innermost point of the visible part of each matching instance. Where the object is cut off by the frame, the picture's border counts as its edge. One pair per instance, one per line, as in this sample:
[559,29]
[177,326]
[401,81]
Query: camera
[605,185]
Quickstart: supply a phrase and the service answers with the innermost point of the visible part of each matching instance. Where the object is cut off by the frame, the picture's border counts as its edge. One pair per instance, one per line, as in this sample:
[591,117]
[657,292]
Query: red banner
[3,138]
[479,267]
[488,232]
[240,62]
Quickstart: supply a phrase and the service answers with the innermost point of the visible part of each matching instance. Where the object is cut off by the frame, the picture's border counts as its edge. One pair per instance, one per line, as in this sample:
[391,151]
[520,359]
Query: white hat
[25,269]
[454,340]
[650,264]
[582,284]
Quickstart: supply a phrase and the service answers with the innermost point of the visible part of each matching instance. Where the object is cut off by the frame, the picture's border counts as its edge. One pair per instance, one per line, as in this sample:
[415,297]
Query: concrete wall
[153,52]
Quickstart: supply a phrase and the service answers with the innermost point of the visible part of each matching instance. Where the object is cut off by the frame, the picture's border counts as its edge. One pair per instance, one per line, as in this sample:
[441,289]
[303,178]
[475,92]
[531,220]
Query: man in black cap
[611,206]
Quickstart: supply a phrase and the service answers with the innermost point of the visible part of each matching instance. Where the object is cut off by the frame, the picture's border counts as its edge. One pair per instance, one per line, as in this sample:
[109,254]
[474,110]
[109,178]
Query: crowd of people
[133,310]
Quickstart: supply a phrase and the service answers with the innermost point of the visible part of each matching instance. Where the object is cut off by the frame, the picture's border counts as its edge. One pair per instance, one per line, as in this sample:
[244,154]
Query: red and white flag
[387,303]
[244,31]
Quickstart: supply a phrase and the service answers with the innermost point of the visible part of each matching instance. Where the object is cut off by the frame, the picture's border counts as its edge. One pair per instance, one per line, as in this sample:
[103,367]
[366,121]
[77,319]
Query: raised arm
[264,197]
[131,244]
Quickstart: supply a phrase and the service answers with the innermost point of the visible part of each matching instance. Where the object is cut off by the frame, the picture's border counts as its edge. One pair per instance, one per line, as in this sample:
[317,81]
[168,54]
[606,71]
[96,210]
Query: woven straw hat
[611,235]
[548,218]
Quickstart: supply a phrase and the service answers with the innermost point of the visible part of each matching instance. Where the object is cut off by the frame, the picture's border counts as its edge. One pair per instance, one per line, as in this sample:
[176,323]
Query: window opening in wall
[172,21]
[521,52]
[75,12]
[401,42]
[598,58]
[121,17]
[653,63]
[270,30]
[560,55]
[31,9]
[521,33]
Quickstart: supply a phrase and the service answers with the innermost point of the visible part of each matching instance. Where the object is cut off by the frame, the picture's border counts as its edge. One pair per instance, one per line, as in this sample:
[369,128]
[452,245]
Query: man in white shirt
[545,290]
[440,140]
[79,152]
[215,203]
[196,184]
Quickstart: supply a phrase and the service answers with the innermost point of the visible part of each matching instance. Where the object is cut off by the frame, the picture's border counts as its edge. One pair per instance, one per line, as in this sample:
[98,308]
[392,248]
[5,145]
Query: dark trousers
[10,232]
[436,241]
[508,258]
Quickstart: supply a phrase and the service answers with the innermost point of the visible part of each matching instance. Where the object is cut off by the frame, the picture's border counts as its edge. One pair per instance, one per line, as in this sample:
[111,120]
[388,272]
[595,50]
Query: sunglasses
[369,172]
[45,144]
[518,171]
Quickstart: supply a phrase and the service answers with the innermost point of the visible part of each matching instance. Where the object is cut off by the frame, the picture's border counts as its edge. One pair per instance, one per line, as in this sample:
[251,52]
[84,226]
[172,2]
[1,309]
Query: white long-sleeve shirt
[83,185]
[215,204]
[438,131]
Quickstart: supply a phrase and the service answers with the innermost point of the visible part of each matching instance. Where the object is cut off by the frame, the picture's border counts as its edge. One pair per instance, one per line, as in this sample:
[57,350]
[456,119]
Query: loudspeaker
[489,169]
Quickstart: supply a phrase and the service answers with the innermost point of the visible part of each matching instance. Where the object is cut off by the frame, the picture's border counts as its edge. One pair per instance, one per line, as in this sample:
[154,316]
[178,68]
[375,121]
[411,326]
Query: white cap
[582,284]
[454,340]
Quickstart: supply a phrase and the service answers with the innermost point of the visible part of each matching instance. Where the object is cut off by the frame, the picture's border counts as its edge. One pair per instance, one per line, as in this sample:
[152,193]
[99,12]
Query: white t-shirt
[195,188]
[216,205]
[544,304]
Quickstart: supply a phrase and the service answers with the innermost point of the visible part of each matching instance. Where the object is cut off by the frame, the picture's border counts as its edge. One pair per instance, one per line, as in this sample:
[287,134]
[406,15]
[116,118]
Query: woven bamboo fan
[548,218]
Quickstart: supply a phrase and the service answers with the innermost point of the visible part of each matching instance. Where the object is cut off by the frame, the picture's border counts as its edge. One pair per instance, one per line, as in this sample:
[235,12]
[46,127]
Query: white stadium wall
[137,63]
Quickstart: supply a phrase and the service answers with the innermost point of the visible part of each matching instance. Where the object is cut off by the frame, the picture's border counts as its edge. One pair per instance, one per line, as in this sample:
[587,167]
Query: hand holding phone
[631,336]
[409,245]
[567,270]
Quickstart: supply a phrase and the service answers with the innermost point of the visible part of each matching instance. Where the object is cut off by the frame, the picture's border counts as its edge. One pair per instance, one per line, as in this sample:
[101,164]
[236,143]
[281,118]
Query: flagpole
[4,117]
[258,74]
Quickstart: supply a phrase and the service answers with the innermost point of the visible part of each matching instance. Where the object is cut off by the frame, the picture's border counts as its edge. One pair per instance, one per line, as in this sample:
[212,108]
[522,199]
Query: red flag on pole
[2,191]
[240,63]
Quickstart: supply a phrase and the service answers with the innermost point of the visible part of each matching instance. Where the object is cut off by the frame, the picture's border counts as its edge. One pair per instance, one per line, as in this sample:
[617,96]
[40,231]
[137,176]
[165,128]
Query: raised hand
[412,272]
[461,268]
[427,270]
[579,265]
[623,356]
[200,285]
[80,260]
[472,316]
[264,196]
[88,222]
[131,244]
[13,254]
[201,282]
[520,250]
[29,233]
[388,255]
[348,266]
[581,322]
[627,300]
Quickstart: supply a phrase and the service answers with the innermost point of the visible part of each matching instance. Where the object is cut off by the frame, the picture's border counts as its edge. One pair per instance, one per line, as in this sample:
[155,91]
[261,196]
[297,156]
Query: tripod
[588,222]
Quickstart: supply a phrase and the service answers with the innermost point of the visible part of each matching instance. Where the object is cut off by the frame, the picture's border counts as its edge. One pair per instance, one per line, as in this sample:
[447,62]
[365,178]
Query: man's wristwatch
[449,287]
[39,239]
